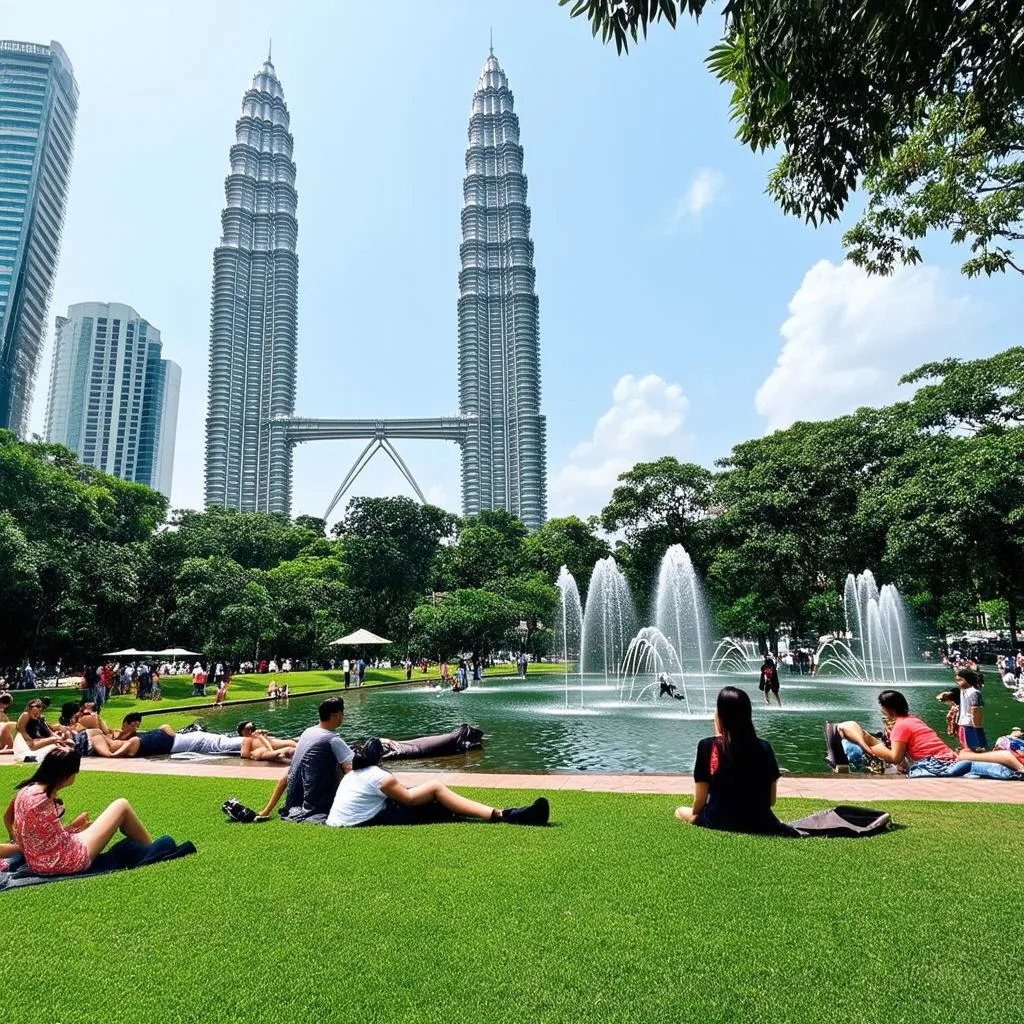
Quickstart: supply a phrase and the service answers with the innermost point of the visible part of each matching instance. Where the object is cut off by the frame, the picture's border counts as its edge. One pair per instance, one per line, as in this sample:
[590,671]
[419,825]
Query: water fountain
[609,621]
[874,648]
[675,644]
[569,629]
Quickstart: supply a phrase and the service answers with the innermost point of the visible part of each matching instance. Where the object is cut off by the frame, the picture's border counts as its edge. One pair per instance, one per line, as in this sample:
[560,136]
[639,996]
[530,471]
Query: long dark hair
[369,754]
[57,766]
[736,720]
[894,701]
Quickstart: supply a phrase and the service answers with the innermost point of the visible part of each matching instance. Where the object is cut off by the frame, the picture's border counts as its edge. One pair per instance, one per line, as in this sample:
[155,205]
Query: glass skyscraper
[504,451]
[113,398]
[254,308]
[38,107]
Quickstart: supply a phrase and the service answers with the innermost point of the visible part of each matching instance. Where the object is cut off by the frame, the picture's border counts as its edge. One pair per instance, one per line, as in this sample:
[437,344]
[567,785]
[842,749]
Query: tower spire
[492,41]
[270,47]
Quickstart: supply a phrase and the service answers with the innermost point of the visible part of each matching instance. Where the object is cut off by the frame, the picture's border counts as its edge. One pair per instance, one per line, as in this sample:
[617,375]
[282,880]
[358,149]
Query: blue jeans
[933,768]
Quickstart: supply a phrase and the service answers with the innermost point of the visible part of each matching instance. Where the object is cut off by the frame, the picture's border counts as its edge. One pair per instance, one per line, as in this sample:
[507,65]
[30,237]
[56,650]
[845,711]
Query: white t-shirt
[344,665]
[359,797]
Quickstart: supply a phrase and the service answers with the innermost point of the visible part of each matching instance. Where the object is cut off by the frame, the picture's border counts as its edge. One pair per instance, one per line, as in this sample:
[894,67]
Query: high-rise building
[38,107]
[504,452]
[254,308]
[113,399]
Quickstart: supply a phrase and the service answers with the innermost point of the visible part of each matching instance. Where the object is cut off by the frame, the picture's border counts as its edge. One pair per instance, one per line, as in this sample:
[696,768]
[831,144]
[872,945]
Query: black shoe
[238,812]
[193,727]
[536,814]
[836,752]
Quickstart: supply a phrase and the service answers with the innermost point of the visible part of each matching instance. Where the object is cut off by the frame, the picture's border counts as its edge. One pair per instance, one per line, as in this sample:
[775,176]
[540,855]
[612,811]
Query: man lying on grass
[130,741]
[916,744]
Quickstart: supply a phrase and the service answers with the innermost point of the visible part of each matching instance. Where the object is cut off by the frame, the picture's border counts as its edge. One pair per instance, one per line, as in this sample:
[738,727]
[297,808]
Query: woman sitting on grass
[735,774]
[33,821]
[913,741]
[371,795]
[34,738]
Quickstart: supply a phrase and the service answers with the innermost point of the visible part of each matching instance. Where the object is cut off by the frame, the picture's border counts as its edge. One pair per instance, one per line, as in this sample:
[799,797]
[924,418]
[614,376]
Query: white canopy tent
[177,652]
[360,638]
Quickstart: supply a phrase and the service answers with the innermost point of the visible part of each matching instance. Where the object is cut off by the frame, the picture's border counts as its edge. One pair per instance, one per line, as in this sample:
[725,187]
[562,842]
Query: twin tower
[251,428]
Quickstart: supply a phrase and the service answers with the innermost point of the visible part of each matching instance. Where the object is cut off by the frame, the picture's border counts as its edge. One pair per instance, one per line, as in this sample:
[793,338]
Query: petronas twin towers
[251,426]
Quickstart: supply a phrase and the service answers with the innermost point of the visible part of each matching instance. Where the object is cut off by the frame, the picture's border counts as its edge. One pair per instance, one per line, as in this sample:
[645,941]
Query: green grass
[617,912]
[177,690]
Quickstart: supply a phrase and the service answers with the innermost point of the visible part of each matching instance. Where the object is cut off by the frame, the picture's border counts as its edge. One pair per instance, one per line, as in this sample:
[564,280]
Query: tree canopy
[922,100]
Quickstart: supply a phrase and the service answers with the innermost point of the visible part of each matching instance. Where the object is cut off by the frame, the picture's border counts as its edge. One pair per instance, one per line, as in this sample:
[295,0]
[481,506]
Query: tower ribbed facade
[504,453]
[38,109]
[254,311]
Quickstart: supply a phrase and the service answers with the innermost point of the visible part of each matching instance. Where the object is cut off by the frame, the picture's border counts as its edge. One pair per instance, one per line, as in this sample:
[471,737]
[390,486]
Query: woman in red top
[915,742]
[33,821]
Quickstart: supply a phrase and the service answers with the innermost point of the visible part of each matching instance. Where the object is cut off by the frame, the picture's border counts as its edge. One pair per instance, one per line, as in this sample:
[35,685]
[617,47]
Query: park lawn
[617,912]
[177,690]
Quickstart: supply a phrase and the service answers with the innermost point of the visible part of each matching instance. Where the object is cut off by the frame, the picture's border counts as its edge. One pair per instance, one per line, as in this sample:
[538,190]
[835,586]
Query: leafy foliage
[839,86]
[951,171]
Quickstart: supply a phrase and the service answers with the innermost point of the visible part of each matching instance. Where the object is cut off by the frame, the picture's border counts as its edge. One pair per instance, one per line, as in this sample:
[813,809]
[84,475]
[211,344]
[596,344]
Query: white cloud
[849,337]
[645,421]
[704,188]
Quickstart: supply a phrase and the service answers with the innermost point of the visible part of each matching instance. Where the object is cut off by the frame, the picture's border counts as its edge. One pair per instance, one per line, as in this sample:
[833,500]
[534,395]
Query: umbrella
[128,652]
[177,652]
[361,637]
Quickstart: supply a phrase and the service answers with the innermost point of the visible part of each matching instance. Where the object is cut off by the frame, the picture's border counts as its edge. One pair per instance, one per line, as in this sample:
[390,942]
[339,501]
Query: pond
[536,726]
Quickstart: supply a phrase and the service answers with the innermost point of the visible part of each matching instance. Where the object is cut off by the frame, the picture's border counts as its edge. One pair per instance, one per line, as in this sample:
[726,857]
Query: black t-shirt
[739,794]
[37,729]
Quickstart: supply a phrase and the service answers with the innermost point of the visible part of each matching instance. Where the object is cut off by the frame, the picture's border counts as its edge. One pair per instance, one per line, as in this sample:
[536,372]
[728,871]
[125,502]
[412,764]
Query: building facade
[504,451]
[254,311]
[113,398]
[38,108]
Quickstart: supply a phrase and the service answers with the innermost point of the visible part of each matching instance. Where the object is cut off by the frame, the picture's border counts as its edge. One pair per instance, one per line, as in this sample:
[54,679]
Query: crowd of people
[328,782]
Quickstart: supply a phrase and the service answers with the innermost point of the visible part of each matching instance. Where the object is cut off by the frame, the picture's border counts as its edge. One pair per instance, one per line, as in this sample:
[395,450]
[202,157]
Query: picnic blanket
[123,856]
[843,822]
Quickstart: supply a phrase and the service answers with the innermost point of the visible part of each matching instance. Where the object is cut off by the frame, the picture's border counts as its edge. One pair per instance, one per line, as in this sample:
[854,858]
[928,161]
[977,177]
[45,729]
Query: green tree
[490,546]
[655,505]
[570,542]
[312,602]
[950,171]
[461,622]
[787,532]
[389,546]
[534,599]
[838,85]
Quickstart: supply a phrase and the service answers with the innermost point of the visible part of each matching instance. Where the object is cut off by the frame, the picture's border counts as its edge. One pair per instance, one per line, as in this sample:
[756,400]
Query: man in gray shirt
[320,759]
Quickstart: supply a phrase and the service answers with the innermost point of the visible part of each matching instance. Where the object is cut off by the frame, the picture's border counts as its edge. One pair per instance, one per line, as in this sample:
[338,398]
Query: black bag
[843,823]
[237,812]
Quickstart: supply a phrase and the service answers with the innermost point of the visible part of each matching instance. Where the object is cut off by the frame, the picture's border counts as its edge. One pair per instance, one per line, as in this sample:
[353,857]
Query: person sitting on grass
[320,759]
[735,774]
[33,820]
[912,741]
[7,727]
[259,745]
[371,795]
[34,738]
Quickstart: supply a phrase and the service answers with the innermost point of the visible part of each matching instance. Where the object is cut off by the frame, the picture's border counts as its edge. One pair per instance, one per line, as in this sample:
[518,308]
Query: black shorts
[394,813]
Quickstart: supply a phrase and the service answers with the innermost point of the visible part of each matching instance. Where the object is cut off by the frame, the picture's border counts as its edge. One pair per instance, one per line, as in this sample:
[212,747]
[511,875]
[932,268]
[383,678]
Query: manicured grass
[177,690]
[617,912]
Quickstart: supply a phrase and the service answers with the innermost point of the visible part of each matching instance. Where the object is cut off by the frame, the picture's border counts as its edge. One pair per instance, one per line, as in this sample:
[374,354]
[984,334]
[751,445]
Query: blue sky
[681,312]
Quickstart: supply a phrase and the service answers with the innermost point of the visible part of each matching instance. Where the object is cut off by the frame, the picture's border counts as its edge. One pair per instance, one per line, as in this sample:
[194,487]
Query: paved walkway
[831,789]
